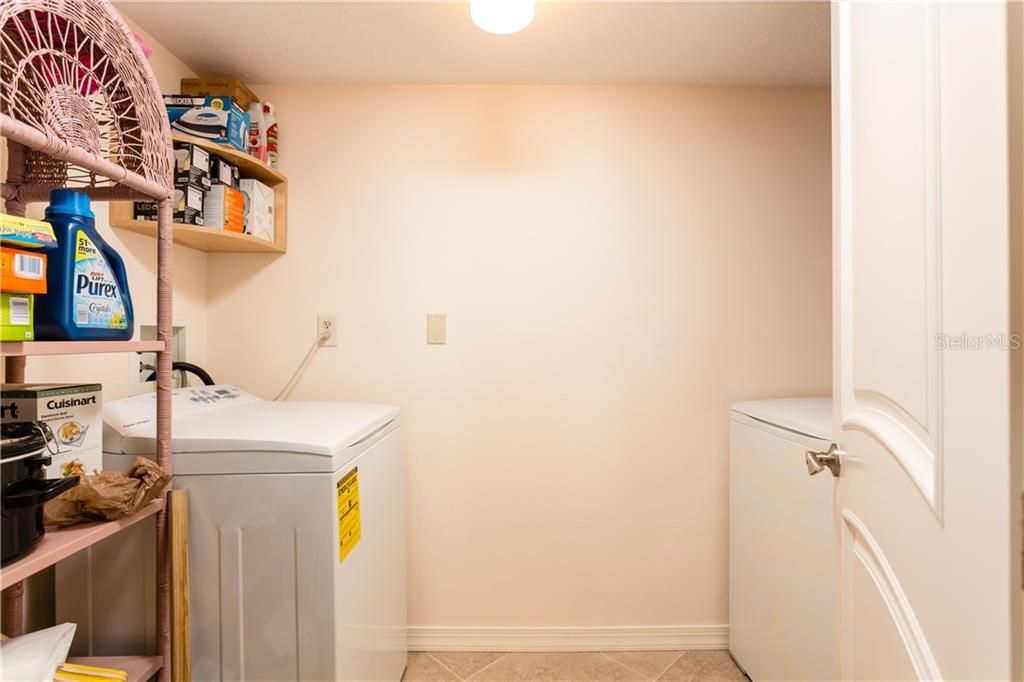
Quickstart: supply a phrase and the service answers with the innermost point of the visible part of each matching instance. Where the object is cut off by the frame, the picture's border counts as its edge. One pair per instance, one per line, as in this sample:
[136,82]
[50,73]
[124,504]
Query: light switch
[437,328]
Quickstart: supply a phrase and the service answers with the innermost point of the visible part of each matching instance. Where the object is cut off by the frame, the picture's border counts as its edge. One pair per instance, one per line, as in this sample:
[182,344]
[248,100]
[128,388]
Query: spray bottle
[270,121]
[257,132]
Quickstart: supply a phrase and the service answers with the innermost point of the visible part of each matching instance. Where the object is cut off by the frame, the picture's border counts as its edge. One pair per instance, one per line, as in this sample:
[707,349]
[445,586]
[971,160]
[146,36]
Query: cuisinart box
[74,413]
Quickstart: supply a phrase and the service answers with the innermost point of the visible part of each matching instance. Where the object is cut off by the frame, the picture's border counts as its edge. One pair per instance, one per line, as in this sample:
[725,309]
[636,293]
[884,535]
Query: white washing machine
[783,556]
[296,539]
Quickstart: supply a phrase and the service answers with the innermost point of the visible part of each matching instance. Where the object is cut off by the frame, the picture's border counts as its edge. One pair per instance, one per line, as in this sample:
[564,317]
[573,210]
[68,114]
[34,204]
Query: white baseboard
[630,638]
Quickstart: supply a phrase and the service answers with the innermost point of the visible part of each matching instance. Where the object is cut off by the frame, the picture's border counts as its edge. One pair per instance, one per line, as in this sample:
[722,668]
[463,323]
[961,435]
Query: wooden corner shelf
[60,543]
[216,240]
[249,166]
[200,238]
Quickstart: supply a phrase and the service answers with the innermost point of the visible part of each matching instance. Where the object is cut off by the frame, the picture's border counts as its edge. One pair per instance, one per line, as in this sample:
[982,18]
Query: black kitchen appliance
[24,451]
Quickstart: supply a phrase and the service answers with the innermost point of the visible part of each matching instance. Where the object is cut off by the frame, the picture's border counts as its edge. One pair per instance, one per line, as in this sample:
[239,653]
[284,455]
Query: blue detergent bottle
[87,295]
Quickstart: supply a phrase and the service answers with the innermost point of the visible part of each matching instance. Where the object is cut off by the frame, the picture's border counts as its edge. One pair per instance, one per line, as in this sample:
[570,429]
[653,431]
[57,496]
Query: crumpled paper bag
[108,495]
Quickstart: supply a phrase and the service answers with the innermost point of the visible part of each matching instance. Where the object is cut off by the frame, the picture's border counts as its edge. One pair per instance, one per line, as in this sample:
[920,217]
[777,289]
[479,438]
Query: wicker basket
[72,72]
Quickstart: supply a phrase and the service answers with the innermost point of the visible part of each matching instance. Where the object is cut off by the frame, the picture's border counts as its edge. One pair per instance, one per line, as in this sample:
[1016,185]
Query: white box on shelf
[259,208]
[224,208]
[74,413]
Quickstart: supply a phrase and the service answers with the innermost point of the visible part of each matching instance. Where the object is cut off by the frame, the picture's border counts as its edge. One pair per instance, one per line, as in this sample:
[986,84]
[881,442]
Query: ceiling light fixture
[501,16]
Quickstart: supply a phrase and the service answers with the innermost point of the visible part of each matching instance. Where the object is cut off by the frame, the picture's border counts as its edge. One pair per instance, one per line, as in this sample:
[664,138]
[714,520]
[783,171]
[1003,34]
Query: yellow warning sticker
[349,529]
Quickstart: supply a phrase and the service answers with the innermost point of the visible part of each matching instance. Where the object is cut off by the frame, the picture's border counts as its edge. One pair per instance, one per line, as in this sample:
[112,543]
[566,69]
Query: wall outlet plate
[147,332]
[327,324]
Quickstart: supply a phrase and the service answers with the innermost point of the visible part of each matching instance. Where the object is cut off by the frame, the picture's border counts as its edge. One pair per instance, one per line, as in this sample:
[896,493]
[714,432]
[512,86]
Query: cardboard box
[191,165]
[259,209]
[22,271]
[74,413]
[188,206]
[144,210]
[220,86]
[223,173]
[17,317]
[219,119]
[26,233]
[224,209]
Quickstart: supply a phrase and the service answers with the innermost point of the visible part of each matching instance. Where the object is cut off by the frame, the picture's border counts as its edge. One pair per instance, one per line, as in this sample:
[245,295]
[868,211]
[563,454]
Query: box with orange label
[22,272]
[224,209]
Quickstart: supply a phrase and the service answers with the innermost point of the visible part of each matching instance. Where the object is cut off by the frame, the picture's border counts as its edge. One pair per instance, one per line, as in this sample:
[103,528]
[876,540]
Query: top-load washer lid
[805,416]
[220,429]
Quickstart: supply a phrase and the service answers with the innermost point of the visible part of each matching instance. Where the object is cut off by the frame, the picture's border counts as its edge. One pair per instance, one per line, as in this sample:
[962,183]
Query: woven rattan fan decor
[72,70]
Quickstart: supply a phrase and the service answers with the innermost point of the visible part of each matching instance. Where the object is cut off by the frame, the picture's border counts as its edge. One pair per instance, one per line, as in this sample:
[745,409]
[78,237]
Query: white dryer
[782,551]
[296,535]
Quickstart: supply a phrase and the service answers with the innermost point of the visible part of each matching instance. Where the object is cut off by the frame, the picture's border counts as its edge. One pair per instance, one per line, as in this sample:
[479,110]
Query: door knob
[819,461]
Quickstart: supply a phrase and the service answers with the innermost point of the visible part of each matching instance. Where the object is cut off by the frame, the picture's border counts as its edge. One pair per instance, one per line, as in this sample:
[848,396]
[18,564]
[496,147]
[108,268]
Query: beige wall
[118,373]
[618,265]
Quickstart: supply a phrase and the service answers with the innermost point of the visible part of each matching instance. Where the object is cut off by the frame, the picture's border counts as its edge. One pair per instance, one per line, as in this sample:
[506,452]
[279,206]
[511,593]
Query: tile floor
[642,666]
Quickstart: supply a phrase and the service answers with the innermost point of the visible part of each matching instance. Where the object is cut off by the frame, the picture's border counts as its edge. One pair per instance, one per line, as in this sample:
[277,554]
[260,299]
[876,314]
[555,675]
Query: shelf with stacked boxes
[122,215]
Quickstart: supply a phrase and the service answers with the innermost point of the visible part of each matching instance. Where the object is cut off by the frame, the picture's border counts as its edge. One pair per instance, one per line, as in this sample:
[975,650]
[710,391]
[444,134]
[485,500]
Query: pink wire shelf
[85,161]
[27,348]
[61,543]
[81,108]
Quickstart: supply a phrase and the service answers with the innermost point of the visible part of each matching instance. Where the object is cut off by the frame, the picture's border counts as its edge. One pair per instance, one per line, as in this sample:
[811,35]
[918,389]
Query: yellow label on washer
[349,529]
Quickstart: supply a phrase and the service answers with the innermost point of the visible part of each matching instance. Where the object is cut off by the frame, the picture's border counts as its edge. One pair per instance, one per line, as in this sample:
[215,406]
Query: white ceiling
[732,43]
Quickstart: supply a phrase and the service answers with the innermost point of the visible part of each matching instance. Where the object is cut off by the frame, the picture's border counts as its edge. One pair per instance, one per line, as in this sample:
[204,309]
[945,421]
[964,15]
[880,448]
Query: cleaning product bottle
[257,132]
[87,288]
[270,121]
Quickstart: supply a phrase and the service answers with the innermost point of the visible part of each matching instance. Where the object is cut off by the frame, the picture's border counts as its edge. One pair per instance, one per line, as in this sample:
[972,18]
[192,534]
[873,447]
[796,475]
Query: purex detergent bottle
[87,295]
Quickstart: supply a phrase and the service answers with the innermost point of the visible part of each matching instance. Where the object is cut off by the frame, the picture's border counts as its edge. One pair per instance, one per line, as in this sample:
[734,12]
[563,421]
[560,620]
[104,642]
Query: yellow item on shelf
[26,233]
[75,672]
[64,676]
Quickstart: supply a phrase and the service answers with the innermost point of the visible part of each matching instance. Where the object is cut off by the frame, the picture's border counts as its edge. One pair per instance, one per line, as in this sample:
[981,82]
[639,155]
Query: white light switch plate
[437,329]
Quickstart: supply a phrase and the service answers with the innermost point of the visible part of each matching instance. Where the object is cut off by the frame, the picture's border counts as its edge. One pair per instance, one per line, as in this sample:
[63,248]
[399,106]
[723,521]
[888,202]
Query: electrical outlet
[327,324]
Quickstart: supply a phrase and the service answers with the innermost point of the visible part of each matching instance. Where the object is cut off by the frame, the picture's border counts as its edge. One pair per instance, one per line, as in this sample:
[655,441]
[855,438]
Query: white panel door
[922,324]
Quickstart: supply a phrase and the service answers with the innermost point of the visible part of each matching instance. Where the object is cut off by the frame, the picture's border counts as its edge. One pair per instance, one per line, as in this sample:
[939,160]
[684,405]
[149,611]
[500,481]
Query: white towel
[34,657]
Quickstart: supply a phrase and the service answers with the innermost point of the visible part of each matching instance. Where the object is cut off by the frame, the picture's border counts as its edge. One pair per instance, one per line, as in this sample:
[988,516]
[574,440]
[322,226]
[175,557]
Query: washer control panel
[138,413]
[212,394]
